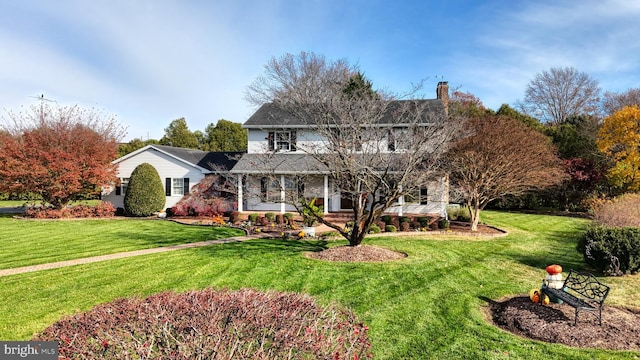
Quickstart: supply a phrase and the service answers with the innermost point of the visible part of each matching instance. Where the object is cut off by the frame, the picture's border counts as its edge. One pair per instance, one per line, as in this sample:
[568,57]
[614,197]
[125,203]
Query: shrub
[390,228]
[612,251]
[234,217]
[270,216]
[458,213]
[104,209]
[243,324]
[253,218]
[405,226]
[386,219]
[381,224]
[262,220]
[374,229]
[424,221]
[403,219]
[620,212]
[145,192]
[288,216]
[443,224]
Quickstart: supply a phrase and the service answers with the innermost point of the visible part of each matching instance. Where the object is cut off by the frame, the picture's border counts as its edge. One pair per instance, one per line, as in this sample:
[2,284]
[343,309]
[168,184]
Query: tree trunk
[475,218]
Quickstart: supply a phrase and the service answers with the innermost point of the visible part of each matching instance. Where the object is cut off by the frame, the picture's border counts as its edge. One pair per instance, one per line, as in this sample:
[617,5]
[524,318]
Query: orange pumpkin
[554,269]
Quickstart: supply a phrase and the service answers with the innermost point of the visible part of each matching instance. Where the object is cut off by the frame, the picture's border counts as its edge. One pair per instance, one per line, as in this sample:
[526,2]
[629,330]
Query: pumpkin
[554,281]
[554,269]
[534,295]
[545,299]
[301,234]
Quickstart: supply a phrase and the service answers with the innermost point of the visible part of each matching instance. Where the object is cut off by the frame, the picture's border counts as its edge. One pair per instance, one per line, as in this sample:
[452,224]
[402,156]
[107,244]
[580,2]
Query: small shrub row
[104,209]
[612,251]
[220,324]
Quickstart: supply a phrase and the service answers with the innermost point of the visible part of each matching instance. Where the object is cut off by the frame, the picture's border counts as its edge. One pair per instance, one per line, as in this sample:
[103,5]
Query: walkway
[121,255]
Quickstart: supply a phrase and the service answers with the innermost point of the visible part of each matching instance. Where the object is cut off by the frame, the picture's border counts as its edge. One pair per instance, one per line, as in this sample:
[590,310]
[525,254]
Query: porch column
[240,200]
[282,195]
[326,194]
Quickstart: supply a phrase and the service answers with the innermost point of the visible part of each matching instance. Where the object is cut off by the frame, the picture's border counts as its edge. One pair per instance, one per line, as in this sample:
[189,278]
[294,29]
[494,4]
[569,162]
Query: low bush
[244,324]
[270,216]
[424,221]
[374,229]
[390,228]
[620,212]
[104,209]
[253,217]
[234,217]
[457,213]
[404,219]
[386,219]
[443,224]
[405,226]
[612,251]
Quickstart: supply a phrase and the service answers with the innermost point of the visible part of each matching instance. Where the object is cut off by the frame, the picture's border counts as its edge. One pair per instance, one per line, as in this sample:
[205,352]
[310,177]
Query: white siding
[166,166]
[306,139]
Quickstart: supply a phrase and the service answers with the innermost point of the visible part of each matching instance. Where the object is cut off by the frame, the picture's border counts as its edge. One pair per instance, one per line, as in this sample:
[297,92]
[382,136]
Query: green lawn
[32,242]
[426,306]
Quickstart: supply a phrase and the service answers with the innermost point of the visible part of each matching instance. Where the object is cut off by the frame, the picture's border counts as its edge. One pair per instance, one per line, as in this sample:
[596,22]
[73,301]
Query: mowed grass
[32,242]
[428,306]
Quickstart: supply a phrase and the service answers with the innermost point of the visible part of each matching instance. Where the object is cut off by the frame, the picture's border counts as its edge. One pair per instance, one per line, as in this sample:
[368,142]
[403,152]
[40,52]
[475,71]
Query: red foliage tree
[59,153]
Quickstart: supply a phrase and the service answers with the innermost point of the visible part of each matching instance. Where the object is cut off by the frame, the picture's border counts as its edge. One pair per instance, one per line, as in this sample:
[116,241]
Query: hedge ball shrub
[145,192]
[390,228]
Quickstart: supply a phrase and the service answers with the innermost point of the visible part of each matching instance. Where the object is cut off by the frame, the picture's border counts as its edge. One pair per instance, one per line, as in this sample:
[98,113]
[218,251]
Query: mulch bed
[362,253]
[553,323]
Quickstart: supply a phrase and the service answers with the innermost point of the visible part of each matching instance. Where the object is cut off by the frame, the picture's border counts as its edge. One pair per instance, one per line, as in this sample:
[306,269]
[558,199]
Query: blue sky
[152,61]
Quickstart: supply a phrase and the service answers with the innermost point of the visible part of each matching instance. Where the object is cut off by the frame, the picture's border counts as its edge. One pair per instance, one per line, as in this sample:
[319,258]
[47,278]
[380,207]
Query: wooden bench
[582,291]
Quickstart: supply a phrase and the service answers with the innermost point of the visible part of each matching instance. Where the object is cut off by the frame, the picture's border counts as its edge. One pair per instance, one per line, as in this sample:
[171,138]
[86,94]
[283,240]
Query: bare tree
[500,156]
[559,93]
[374,147]
[614,101]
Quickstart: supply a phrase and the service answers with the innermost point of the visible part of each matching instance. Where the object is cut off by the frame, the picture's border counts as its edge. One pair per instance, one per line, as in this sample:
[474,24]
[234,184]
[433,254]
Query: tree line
[222,136]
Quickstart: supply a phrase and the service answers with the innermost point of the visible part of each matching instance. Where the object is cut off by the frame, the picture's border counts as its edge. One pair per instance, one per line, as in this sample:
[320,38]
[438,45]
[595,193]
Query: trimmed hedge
[612,251]
[145,192]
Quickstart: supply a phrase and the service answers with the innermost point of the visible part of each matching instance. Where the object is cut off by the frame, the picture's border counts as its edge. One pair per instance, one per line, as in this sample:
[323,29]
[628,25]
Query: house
[279,141]
[180,170]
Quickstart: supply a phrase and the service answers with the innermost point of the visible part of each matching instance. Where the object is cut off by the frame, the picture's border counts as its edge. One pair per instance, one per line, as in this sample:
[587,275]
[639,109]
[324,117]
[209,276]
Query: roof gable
[206,161]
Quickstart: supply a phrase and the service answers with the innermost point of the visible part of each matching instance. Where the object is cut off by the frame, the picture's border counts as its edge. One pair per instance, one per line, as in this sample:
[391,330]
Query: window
[270,190]
[122,189]
[397,139]
[282,140]
[178,187]
[417,197]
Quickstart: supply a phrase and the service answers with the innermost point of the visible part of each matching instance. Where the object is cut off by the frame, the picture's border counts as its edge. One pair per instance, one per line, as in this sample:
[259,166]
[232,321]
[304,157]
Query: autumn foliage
[500,156]
[619,139]
[60,154]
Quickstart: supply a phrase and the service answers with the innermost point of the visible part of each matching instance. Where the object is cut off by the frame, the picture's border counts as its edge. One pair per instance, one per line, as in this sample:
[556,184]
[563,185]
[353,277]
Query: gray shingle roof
[273,116]
[279,164]
[206,159]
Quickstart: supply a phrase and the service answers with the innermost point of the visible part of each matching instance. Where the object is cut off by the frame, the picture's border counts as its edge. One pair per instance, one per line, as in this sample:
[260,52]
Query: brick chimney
[442,93]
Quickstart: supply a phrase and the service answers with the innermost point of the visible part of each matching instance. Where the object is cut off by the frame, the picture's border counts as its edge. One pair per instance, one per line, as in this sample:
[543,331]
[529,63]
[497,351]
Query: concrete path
[121,255]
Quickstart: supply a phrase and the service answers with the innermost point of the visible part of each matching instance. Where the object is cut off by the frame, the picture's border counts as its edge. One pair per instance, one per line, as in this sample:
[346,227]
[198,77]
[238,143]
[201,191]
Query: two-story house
[280,142]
